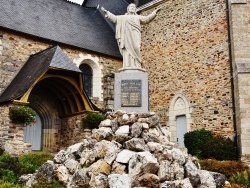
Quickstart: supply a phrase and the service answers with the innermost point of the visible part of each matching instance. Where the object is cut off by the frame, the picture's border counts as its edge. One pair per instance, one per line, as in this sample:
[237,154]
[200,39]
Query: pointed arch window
[87,78]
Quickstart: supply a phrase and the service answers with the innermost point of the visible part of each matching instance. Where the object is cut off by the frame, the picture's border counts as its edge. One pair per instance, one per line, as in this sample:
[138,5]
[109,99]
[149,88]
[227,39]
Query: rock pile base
[128,150]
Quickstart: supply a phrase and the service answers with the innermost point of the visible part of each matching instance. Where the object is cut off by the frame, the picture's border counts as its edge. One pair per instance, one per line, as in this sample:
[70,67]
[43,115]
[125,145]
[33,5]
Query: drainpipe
[232,80]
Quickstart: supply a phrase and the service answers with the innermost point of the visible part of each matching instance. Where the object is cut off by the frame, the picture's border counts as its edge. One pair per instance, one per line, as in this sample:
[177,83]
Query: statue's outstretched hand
[158,9]
[103,9]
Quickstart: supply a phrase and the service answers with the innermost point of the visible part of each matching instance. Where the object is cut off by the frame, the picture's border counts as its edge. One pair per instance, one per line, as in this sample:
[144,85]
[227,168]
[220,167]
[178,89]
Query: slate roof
[66,23]
[36,65]
[117,7]
[114,5]
[139,2]
[62,22]
[142,2]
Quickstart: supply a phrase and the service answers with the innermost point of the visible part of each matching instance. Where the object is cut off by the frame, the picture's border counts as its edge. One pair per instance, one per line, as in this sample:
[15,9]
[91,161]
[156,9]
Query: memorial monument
[131,82]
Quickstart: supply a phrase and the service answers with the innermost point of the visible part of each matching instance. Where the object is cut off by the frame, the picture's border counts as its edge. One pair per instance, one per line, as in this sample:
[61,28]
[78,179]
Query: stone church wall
[240,40]
[185,51]
[11,134]
[15,49]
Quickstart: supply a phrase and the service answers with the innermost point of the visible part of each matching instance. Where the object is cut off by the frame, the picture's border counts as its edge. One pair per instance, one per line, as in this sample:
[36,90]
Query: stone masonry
[16,49]
[240,40]
[128,150]
[11,135]
[14,52]
[185,50]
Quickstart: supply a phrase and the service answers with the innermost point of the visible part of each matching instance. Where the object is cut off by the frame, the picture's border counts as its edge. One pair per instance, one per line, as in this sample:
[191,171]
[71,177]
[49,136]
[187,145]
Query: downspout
[232,80]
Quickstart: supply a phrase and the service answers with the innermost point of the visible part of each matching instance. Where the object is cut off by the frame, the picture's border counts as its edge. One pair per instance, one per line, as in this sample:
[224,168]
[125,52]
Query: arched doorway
[54,97]
[45,103]
[51,84]
[179,118]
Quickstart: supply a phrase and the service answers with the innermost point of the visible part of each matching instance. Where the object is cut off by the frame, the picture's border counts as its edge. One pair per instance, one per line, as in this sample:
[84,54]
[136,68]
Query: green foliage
[8,176]
[204,144]
[12,167]
[194,141]
[4,184]
[219,148]
[241,178]
[32,161]
[9,168]
[8,161]
[22,114]
[228,168]
[92,120]
[42,184]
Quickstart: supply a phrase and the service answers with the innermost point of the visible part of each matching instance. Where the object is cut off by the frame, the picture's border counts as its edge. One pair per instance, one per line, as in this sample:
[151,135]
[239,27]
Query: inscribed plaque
[131,93]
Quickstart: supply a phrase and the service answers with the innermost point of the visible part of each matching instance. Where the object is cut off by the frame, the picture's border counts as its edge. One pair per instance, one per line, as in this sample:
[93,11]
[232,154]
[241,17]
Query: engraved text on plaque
[131,93]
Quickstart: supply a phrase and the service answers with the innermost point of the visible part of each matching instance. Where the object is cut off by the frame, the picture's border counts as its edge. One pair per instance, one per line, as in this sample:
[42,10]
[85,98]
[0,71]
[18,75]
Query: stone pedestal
[131,90]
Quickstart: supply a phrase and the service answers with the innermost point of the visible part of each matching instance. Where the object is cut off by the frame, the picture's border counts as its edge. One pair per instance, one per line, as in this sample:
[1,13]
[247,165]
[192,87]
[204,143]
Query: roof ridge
[61,60]
[43,51]
[61,22]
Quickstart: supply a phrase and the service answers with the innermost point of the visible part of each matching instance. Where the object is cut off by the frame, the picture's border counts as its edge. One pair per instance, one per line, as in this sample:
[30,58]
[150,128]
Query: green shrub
[241,178]
[12,167]
[219,148]
[228,168]
[9,162]
[30,162]
[9,168]
[194,141]
[4,184]
[22,114]
[92,120]
[8,176]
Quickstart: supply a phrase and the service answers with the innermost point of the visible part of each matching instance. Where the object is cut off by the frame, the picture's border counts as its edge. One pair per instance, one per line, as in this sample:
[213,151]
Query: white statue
[128,34]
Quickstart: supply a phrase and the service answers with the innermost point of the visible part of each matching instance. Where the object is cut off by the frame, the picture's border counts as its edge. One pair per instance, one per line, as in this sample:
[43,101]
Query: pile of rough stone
[128,150]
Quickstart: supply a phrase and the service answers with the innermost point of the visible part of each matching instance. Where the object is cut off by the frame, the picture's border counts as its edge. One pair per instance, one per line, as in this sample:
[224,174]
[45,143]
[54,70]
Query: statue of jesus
[128,34]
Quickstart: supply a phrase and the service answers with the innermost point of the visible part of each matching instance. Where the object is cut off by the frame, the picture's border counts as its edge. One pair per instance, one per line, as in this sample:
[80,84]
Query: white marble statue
[128,34]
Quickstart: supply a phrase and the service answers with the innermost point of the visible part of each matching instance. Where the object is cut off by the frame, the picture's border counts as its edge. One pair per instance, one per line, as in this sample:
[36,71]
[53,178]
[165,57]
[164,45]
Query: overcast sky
[76,1]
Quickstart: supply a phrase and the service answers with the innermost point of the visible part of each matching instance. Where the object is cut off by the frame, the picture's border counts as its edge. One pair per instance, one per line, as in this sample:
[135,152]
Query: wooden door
[33,134]
[181,129]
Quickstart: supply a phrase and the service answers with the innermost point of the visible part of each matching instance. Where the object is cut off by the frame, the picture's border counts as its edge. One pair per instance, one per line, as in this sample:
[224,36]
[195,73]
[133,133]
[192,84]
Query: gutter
[232,81]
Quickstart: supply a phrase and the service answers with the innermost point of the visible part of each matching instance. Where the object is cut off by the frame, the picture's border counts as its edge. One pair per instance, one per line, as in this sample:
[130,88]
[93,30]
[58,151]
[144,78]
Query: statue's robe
[128,36]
